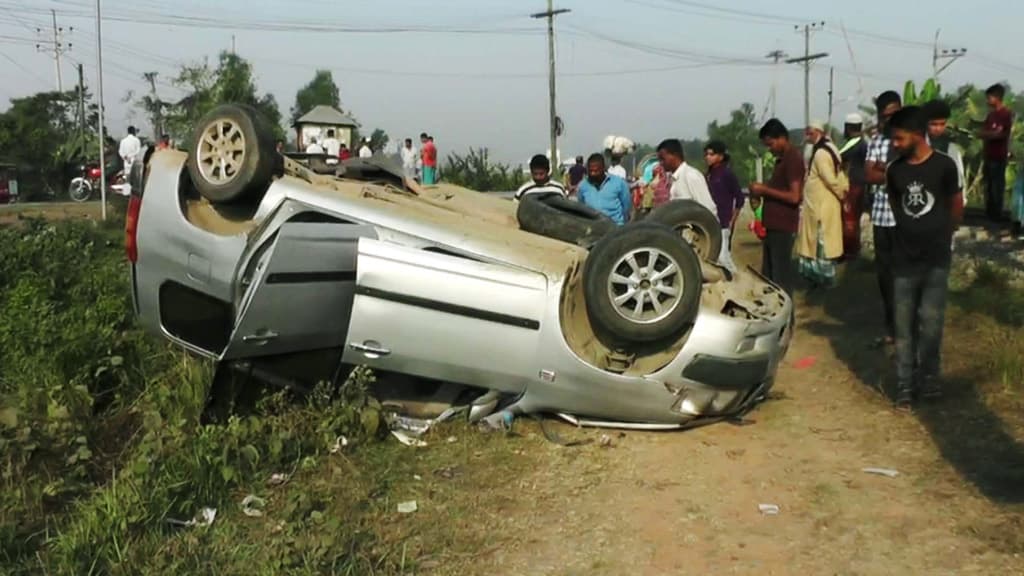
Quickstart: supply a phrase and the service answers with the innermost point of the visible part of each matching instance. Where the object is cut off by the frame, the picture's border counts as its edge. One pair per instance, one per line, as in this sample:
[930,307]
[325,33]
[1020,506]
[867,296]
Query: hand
[756,189]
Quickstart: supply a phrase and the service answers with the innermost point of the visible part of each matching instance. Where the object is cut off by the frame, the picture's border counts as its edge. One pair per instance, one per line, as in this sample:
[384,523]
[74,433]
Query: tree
[321,91]
[42,135]
[230,82]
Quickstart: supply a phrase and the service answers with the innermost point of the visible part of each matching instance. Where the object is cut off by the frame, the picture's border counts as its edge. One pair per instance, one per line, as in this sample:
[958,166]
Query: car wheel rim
[695,236]
[646,286]
[221,152]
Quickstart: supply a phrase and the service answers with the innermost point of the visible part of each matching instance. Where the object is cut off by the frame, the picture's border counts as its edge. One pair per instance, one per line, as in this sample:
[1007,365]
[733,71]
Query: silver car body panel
[446,287]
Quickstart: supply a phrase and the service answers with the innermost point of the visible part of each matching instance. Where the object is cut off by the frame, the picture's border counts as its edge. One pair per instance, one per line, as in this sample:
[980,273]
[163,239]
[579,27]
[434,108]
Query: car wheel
[697,225]
[642,285]
[558,217]
[232,154]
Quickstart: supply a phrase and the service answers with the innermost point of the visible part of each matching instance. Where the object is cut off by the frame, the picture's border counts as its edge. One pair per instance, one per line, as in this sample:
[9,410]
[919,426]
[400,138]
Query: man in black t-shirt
[924,192]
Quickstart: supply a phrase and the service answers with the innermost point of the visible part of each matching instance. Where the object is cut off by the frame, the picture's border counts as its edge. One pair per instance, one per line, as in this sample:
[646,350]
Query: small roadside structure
[316,123]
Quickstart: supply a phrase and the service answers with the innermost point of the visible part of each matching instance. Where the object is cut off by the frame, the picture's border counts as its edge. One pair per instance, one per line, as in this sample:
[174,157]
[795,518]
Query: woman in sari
[820,237]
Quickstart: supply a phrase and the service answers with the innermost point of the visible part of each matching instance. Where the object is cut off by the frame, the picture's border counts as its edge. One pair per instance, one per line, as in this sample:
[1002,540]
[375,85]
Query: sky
[474,72]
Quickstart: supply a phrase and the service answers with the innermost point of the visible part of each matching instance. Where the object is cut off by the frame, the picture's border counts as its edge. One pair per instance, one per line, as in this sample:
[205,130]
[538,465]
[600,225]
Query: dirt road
[687,503]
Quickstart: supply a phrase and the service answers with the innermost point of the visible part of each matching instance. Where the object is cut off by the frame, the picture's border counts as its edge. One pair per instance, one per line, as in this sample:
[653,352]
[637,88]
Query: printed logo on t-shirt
[918,201]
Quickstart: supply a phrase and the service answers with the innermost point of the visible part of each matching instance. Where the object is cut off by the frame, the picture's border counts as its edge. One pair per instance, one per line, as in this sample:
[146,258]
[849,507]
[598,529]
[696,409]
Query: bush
[476,171]
[100,441]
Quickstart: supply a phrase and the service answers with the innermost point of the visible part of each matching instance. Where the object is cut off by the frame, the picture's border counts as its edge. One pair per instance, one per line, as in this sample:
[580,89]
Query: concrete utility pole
[806,61]
[952,55]
[58,47]
[99,86]
[776,56]
[554,121]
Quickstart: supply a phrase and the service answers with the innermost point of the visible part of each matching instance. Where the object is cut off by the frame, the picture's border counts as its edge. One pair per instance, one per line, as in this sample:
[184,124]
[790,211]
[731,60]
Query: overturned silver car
[292,274]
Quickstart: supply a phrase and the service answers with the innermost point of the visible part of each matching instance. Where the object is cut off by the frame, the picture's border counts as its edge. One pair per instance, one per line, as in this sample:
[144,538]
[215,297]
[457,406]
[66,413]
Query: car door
[445,317]
[298,293]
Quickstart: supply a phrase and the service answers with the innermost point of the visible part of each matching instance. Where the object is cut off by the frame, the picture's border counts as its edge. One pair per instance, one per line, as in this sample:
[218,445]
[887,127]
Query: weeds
[100,441]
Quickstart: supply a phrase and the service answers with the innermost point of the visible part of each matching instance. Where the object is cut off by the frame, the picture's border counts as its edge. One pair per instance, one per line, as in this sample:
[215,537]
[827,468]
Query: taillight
[131,228]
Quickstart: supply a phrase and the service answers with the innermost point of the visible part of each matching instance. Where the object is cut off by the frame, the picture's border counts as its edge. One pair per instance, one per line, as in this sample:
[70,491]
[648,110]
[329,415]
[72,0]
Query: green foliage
[42,135]
[230,82]
[476,171]
[930,91]
[320,91]
[100,441]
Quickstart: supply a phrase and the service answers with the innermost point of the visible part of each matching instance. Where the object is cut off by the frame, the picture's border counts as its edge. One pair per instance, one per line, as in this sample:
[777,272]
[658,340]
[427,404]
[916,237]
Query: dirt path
[687,503]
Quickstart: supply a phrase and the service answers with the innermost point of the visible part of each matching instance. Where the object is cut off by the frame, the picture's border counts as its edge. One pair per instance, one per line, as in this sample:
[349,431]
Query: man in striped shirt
[541,182]
[880,153]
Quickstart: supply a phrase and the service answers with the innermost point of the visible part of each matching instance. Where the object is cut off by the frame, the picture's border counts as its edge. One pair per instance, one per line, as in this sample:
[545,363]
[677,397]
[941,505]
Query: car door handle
[261,337]
[370,349]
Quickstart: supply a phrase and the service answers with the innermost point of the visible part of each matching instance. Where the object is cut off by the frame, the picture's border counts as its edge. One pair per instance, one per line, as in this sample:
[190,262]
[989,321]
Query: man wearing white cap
[854,153]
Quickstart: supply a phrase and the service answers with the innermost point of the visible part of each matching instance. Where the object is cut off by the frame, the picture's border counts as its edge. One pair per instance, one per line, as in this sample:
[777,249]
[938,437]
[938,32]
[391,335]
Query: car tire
[555,216]
[661,271]
[697,225]
[232,154]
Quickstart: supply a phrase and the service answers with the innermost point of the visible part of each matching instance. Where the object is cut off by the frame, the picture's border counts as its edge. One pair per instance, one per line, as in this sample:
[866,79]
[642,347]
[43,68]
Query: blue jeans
[919,310]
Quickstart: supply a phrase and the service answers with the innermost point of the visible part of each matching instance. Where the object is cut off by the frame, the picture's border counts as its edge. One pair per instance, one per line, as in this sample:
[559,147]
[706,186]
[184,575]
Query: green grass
[100,445]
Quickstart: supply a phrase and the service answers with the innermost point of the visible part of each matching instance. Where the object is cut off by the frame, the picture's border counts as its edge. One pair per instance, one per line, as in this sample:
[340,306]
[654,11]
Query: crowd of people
[908,176]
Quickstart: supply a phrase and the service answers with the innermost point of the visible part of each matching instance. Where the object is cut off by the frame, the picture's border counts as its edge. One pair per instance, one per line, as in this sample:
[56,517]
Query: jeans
[884,240]
[995,188]
[777,258]
[920,308]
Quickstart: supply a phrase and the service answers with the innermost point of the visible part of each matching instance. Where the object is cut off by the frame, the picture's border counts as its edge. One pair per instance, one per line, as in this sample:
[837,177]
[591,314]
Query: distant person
[996,134]
[779,200]
[687,183]
[540,180]
[605,192]
[820,239]
[727,195]
[164,143]
[409,156]
[924,193]
[364,150]
[279,147]
[854,155]
[880,153]
[575,175]
[937,113]
[344,153]
[428,155]
[313,147]
[331,145]
[129,150]
[616,168]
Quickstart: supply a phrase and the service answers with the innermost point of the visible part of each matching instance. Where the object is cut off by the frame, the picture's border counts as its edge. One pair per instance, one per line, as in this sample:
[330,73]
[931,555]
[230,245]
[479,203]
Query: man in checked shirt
[880,153]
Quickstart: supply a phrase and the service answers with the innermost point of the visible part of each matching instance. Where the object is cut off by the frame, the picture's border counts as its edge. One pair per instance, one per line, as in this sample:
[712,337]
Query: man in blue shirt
[605,192]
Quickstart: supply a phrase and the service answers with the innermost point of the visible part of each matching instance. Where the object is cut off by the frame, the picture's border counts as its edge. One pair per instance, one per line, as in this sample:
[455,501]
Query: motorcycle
[81,187]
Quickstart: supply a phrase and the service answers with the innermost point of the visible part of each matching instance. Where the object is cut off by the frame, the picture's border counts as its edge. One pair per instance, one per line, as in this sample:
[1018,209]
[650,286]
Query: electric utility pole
[806,60]
[81,106]
[555,123]
[951,55]
[776,56]
[99,86]
[56,46]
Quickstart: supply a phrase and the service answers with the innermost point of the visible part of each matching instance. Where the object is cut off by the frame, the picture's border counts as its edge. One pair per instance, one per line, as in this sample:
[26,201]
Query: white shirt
[619,171]
[130,148]
[314,148]
[549,187]
[332,146]
[409,157]
[689,184]
[365,152]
